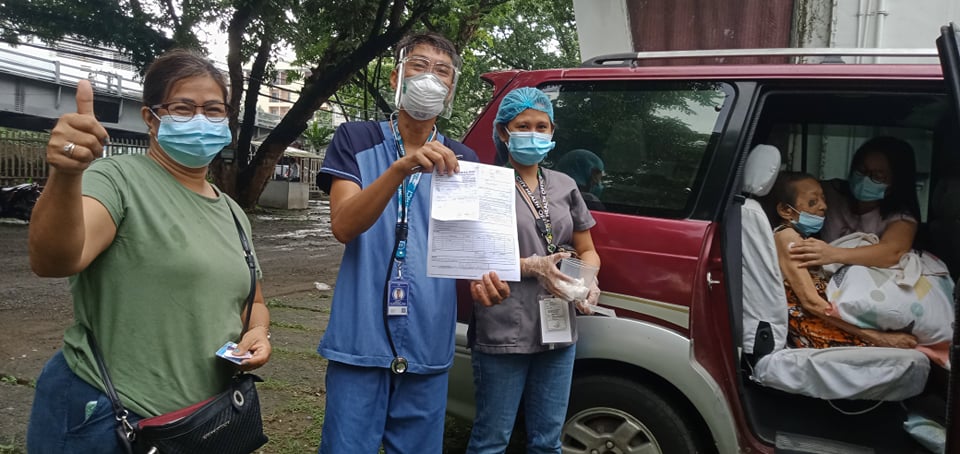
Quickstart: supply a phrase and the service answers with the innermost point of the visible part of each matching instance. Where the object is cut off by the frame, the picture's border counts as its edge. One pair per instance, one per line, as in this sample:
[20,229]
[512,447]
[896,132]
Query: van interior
[817,132]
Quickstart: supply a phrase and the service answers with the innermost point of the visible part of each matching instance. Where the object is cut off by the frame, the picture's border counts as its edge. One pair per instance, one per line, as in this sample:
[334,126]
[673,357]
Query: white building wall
[603,27]
[891,24]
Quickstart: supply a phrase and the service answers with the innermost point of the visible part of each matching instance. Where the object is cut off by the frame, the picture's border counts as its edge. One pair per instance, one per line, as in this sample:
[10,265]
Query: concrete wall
[603,27]
[285,195]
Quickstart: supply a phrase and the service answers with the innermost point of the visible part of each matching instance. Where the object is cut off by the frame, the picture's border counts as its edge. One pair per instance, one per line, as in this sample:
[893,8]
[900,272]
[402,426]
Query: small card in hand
[226,352]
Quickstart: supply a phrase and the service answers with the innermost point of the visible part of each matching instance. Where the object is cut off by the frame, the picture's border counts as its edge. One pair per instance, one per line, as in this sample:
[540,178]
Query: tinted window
[650,139]
[818,133]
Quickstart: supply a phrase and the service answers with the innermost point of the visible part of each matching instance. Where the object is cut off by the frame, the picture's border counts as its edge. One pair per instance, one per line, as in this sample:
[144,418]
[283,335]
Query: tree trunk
[333,70]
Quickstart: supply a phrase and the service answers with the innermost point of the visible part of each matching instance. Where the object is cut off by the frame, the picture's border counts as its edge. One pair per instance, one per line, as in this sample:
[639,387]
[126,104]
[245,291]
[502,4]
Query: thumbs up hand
[78,138]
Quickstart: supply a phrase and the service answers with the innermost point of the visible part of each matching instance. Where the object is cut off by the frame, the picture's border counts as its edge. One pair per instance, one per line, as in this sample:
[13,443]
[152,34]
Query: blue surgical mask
[192,143]
[865,189]
[529,148]
[808,224]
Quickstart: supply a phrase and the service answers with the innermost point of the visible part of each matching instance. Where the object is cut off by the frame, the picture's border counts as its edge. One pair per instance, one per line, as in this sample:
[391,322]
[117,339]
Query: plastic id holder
[555,326]
[397,293]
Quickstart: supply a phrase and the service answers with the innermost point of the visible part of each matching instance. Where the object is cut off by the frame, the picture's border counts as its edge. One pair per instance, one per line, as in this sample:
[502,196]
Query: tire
[609,414]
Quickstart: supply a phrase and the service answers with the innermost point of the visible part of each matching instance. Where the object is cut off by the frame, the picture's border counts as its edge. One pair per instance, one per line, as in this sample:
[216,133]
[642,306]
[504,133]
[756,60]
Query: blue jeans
[367,406]
[541,379]
[69,415]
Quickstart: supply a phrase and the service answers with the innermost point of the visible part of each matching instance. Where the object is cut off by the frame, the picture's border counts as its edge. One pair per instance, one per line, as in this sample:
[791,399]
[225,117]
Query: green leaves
[126,26]
[516,34]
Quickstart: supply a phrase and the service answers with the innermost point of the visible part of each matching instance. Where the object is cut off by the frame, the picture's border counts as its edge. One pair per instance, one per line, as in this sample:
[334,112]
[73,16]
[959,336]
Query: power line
[77,53]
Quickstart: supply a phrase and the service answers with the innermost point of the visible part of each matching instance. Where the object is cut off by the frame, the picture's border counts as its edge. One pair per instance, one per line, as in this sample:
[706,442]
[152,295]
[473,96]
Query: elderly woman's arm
[896,240]
[802,284]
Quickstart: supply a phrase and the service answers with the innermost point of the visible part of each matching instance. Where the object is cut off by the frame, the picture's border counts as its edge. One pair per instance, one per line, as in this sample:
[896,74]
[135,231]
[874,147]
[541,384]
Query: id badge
[555,323]
[397,293]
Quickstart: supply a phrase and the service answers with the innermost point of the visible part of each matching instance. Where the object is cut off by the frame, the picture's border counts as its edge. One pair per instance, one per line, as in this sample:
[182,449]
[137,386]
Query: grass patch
[286,387]
[294,326]
[295,427]
[286,353]
[13,446]
[14,380]
[278,303]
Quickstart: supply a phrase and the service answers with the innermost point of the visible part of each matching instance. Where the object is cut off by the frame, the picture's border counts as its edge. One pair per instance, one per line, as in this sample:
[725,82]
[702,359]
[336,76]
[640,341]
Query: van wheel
[611,415]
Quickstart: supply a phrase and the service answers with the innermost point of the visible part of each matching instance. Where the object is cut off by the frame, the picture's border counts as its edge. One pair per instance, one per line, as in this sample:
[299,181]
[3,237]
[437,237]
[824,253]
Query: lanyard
[540,209]
[405,194]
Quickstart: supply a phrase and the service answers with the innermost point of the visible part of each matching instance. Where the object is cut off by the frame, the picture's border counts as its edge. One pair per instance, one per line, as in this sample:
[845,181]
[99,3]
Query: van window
[819,133]
[830,150]
[652,140]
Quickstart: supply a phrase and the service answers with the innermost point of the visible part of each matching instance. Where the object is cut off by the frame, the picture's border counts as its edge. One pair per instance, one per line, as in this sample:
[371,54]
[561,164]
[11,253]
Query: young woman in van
[797,208]
[879,198]
[510,360]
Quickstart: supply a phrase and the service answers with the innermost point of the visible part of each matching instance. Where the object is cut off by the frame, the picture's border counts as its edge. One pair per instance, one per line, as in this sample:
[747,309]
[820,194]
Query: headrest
[761,170]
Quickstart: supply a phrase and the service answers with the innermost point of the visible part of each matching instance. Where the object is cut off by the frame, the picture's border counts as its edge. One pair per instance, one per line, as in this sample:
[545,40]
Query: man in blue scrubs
[390,338]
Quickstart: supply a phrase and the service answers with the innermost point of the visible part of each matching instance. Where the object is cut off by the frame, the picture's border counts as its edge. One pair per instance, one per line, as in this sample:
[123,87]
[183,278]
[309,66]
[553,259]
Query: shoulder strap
[526,198]
[123,426]
[248,256]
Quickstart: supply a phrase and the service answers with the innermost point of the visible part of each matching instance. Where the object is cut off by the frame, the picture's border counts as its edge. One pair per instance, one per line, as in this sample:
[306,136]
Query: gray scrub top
[513,326]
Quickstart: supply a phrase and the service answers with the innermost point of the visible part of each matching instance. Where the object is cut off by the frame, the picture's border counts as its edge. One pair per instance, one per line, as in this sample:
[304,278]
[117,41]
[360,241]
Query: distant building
[280,93]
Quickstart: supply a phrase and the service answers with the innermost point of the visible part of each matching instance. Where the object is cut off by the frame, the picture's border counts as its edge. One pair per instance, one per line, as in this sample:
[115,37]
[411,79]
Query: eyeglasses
[184,110]
[419,65]
[876,176]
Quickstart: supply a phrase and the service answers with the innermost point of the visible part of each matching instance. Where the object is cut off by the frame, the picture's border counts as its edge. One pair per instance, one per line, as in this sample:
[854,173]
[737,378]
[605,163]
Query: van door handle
[711,281]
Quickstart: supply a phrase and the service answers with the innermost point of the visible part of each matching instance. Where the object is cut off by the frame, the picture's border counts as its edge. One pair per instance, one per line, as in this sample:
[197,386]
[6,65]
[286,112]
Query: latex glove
[585,305]
[544,268]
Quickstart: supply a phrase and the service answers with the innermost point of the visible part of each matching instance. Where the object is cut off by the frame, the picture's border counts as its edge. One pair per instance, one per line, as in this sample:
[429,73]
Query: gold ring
[68,149]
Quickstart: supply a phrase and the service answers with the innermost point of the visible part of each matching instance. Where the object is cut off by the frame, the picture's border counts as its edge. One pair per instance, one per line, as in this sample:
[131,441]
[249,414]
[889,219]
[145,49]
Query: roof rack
[628,59]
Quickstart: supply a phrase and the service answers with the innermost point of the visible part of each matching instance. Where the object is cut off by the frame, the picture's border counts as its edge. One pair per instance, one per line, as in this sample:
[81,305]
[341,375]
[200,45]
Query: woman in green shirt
[155,262]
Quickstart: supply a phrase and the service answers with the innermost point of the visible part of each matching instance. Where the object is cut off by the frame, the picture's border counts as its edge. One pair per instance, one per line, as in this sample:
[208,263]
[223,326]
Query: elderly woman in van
[510,360]
[797,208]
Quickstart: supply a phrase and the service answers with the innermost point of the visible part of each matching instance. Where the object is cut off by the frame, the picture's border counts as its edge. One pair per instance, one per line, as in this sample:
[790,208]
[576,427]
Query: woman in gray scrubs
[525,346]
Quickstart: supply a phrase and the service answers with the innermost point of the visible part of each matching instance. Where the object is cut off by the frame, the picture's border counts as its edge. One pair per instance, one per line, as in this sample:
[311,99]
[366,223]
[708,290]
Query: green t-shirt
[165,295]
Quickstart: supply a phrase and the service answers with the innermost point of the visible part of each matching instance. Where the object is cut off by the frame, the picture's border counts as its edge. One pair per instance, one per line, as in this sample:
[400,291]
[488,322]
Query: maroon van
[677,370]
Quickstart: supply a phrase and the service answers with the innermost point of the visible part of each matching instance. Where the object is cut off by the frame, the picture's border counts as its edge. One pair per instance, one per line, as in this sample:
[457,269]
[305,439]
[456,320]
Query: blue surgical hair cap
[522,99]
[513,103]
[579,164]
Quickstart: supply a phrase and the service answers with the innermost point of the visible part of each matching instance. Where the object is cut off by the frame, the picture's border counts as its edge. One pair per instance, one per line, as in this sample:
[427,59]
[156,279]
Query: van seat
[872,373]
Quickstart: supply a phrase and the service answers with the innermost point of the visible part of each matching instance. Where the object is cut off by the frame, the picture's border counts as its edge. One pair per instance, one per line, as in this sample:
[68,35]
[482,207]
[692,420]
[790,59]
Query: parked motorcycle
[17,201]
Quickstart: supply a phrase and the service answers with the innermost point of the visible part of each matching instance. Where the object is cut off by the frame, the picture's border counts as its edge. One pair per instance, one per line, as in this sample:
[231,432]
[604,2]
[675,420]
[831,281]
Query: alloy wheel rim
[604,430]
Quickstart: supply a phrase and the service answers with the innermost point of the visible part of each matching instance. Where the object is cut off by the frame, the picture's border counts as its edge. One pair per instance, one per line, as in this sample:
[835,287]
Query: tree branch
[253,94]
[173,16]
[396,13]
[333,69]
[382,105]
[378,21]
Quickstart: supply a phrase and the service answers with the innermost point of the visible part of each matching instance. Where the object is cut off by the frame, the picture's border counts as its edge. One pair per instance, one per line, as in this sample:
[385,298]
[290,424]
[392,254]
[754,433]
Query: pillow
[870,297]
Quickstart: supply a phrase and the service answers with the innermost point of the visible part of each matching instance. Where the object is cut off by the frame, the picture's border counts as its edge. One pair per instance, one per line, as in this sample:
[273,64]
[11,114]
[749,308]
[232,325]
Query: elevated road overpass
[35,91]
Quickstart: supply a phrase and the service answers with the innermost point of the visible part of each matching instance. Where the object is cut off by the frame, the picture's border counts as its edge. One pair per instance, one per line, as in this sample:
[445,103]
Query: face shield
[425,88]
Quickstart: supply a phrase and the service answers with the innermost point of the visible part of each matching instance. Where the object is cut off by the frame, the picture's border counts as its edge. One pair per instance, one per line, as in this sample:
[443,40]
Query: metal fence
[23,155]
